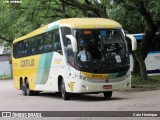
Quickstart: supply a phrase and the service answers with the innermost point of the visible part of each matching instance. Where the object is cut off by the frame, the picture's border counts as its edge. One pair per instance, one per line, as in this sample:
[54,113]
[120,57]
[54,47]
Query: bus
[152,60]
[48,59]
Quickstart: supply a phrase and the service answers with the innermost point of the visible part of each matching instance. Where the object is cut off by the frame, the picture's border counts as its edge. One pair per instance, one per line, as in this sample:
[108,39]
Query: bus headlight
[83,78]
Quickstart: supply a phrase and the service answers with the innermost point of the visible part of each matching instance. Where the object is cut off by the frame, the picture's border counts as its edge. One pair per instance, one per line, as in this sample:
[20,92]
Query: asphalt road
[134,100]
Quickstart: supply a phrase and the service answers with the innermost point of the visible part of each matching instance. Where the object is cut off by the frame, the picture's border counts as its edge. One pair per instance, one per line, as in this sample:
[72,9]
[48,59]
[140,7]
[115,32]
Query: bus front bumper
[89,87]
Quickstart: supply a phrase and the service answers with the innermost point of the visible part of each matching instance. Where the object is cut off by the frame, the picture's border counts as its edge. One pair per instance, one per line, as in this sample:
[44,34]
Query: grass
[5,77]
[152,83]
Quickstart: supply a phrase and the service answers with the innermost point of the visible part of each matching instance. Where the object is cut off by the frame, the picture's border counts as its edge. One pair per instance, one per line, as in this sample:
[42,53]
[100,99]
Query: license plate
[107,86]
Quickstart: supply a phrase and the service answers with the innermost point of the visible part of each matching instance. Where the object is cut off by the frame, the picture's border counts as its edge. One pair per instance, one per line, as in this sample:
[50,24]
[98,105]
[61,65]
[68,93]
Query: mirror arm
[133,40]
[73,41]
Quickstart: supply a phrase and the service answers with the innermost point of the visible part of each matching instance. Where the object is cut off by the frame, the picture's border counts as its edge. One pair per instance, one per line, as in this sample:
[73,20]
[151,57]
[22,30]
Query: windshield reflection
[101,48]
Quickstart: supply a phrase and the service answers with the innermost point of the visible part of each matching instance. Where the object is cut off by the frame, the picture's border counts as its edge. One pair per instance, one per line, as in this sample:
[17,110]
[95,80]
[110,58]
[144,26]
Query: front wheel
[107,94]
[64,94]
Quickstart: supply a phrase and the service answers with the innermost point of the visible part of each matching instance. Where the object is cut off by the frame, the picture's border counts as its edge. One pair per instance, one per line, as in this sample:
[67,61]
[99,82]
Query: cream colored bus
[76,55]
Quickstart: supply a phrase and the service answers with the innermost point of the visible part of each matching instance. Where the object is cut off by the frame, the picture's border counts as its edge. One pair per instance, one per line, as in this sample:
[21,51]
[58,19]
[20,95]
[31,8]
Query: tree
[96,8]
[20,19]
[17,20]
[147,14]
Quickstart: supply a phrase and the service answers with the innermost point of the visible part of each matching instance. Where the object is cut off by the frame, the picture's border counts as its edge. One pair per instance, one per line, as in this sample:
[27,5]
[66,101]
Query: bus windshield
[102,50]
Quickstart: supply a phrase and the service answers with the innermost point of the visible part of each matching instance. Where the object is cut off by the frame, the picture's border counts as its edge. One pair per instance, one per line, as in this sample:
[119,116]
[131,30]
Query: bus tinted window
[37,45]
[65,31]
[56,40]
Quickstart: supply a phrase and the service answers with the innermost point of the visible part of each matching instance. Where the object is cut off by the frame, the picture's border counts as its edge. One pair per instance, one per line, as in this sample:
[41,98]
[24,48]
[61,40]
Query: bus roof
[90,23]
[79,23]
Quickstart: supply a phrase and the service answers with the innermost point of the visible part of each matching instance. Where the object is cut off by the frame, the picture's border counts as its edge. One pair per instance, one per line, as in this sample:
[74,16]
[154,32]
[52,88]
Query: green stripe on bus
[52,28]
[44,66]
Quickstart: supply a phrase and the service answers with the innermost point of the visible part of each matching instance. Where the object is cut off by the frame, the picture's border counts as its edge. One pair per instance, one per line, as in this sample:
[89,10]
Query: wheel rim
[64,94]
[27,89]
[23,90]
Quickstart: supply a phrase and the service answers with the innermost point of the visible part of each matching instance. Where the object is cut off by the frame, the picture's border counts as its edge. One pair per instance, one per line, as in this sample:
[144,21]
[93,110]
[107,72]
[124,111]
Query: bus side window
[47,40]
[70,53]
[56,41]
[20,50]
[32,46]
[16,50]
[65,31]
[28,48]
[39,40]
[25,48]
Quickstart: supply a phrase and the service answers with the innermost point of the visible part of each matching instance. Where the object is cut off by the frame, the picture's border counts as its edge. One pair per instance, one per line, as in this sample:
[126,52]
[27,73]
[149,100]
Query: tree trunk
[148,40]
[136,68]
[143,70]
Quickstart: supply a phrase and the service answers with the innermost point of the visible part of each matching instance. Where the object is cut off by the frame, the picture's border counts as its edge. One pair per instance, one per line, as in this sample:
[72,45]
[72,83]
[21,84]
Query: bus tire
[65,95]
[107,94]
[28,91]
[23,87]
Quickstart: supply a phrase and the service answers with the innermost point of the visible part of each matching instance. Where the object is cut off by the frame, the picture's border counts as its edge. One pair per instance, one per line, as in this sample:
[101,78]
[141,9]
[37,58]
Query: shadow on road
[93,97]
[80,97]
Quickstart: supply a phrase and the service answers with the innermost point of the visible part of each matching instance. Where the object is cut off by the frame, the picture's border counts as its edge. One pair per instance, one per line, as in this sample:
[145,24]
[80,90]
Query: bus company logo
[6,114]
[57,61]
[27,63]
[12,1]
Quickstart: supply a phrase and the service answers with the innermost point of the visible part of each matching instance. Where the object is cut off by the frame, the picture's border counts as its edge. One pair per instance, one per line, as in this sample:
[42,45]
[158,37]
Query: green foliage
[20,19]
[131,15]
[131,20]
[136,16]
[139,16]
[153,82]
[5,77]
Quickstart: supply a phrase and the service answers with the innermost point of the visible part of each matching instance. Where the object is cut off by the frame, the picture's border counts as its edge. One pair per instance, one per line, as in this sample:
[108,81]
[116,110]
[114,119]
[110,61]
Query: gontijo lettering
[27,63]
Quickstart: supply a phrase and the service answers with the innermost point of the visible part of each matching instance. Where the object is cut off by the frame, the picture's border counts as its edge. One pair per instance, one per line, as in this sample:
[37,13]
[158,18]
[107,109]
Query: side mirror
[133,41]
[73,42]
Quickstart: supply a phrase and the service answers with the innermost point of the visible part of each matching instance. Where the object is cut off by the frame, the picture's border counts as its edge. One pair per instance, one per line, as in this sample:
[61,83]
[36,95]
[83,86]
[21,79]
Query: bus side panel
[152,63]
[25,68]
[50,67]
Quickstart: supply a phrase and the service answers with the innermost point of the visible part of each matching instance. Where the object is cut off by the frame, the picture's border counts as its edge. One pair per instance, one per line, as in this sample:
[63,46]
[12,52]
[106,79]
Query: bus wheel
[23,87]
[64,94]
[107,94]
[28,91]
